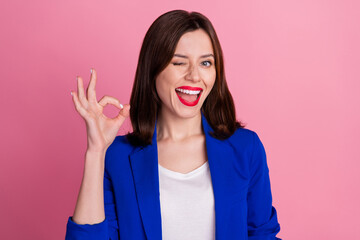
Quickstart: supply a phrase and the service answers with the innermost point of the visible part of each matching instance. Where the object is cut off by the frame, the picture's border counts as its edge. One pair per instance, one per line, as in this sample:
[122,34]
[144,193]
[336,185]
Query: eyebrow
[203,56]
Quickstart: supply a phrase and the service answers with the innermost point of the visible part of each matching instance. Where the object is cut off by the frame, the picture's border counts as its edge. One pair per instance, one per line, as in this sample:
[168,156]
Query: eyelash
[210,63]
[178,64]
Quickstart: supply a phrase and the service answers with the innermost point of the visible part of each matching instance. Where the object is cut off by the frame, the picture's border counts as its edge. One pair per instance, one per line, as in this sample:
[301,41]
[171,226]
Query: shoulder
[120,144]
[118,151]
[244,138]
[247,144]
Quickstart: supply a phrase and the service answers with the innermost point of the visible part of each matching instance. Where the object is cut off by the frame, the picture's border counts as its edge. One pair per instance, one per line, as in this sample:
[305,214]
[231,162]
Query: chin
[189,112]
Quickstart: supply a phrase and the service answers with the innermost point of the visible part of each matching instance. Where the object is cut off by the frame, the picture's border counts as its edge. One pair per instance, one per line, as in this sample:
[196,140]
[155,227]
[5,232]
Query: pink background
[292,67]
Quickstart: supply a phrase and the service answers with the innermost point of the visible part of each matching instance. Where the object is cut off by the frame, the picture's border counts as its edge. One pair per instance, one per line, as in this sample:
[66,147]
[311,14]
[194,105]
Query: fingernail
[71,93]
[121,106]
[90,70]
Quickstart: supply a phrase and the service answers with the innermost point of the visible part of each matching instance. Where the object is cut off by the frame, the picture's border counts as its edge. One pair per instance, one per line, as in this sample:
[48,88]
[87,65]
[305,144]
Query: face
[189,77]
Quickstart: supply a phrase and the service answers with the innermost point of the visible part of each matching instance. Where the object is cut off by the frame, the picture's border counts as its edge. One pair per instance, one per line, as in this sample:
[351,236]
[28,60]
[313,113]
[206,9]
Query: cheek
[160,84]
[210,75]
[210,85]
[211,81]
[162,88]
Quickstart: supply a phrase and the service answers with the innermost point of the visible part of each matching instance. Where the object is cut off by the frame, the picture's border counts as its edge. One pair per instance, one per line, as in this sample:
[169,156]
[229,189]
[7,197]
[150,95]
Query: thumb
[124,112]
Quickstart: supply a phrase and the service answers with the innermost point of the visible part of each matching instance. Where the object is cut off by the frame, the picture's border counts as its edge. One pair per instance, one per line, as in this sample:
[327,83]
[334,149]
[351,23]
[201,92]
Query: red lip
[190,104]
[190,88]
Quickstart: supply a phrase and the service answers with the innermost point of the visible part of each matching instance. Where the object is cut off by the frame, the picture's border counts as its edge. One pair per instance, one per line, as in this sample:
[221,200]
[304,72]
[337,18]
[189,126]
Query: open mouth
[188,96]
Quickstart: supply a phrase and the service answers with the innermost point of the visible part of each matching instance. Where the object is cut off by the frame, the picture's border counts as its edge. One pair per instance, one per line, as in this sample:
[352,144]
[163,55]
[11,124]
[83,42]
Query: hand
[101,130]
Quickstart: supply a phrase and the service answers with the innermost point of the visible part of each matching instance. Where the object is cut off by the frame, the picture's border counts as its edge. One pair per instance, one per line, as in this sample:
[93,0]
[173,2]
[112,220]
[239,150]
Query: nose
[193,74]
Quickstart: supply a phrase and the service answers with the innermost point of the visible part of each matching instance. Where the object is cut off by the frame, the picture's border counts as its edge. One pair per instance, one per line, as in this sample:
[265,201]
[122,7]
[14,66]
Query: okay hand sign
[101,130]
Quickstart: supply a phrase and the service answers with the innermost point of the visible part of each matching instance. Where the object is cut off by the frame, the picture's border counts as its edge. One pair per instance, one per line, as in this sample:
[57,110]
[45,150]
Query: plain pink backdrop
[292,68]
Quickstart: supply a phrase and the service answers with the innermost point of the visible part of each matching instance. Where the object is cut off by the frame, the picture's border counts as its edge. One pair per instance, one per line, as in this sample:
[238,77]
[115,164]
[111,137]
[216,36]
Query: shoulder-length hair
[157,50]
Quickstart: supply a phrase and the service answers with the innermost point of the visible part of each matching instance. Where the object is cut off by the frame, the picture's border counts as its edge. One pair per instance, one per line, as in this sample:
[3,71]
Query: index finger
[90,91]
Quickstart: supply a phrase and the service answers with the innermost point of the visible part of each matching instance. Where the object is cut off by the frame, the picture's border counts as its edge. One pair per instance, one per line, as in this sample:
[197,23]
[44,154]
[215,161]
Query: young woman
[188,170]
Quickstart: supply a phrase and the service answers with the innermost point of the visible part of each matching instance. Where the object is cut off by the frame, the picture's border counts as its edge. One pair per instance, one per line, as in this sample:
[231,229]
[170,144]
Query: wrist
[96,151]
[95,154]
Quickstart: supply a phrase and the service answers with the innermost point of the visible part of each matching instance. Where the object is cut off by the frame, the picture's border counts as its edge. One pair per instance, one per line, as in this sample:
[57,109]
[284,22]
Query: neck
[173,128]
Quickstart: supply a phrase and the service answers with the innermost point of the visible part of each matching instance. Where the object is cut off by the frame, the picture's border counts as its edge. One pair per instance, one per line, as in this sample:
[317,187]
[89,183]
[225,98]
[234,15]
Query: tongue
[187,97]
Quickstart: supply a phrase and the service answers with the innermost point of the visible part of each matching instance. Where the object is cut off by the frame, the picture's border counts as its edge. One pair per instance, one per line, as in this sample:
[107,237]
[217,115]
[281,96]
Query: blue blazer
[241,186]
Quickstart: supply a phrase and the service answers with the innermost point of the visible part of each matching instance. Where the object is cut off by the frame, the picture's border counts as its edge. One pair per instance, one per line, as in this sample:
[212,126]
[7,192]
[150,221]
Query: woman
[188,170]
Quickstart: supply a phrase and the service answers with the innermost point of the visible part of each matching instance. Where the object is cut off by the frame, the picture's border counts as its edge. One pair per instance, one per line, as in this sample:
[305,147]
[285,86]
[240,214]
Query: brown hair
[157,50]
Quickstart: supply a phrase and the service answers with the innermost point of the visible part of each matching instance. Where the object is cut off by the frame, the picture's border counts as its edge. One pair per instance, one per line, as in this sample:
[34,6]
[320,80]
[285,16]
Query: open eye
[207,63]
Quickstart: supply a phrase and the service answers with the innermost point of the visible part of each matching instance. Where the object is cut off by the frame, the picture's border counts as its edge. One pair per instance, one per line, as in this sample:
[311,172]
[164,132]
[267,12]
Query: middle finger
[81,92]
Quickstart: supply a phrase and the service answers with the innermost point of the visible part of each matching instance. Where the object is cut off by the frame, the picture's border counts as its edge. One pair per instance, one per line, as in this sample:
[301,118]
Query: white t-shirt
[187,204]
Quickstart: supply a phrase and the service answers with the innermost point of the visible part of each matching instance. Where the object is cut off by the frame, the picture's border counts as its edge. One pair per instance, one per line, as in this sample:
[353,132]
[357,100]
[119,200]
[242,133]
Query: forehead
[194,43]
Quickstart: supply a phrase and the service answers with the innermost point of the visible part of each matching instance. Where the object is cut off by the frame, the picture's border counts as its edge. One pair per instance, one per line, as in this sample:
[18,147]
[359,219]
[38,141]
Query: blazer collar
[144,165]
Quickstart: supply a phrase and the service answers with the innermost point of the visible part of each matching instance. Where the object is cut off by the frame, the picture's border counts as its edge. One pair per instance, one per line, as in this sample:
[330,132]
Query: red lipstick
[191,88]
[187,103]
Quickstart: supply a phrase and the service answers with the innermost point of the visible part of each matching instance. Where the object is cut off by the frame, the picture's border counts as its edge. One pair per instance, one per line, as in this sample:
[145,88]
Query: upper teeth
[187,91]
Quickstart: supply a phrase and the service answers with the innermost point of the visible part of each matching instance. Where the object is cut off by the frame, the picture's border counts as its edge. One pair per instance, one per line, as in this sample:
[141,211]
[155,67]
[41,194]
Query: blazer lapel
[144,165]
[221,157]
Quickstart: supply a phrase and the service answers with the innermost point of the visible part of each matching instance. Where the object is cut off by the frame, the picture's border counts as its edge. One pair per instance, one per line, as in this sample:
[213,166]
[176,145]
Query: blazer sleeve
[107,229]
[262,216]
